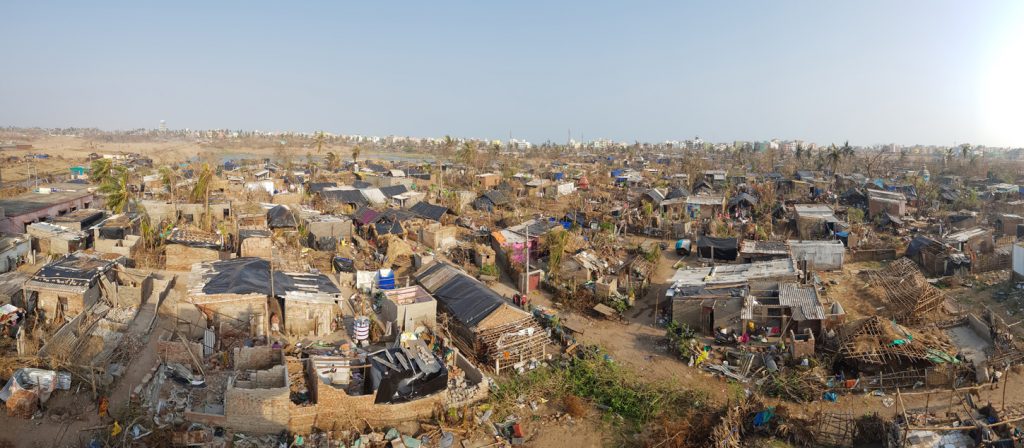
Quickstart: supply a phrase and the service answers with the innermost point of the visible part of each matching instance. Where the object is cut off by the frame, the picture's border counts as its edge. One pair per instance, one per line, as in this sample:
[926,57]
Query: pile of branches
[800,387]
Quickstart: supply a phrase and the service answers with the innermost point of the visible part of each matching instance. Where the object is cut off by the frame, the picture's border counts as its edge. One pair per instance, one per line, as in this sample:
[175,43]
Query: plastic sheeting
[406,384]
[719,248]
[112,233]
[466,298]
[280,217]
[39,381]
[252,276]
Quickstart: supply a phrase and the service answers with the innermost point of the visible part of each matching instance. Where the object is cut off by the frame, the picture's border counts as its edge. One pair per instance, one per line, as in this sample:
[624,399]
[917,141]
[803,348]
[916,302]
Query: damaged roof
[250,275]
[76,270]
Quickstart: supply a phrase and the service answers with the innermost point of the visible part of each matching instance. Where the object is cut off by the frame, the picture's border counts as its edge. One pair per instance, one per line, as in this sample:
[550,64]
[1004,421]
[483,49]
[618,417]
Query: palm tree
[319,141]
[832,157]
[799,151]
[468,155]
[201,191]
[100,170]
[116,189]
[447,146]
[356,150]
[333,162]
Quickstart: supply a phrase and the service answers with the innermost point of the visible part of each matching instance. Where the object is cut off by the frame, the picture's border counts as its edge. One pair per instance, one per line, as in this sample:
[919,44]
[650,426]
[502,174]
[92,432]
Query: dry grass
[575,406]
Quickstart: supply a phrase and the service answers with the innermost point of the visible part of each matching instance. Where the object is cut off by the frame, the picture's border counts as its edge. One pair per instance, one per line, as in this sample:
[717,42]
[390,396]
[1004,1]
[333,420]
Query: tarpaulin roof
[677,193]
[428,211]
[394,190]
[496,197]
[316,187]
[465,297]
[366,215]
[280,216]
[743,197]
[250,275]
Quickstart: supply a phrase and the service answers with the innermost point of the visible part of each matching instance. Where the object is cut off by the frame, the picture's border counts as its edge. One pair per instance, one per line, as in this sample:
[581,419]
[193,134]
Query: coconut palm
[333,161]
[100,169]
[319,141]
[201,191]
[116,188]
[468,153]
[356,150]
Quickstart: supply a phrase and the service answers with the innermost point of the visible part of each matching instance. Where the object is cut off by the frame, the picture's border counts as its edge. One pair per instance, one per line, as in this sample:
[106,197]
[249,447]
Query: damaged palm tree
[201,192]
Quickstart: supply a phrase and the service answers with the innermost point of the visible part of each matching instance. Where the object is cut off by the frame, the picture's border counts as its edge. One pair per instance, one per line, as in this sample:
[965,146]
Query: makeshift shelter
[480,322]
[68,286]
[722,249]
[281,217]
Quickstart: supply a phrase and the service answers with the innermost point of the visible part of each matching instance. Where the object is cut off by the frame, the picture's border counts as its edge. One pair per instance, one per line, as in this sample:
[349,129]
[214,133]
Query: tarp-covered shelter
[723,249]
[281,217]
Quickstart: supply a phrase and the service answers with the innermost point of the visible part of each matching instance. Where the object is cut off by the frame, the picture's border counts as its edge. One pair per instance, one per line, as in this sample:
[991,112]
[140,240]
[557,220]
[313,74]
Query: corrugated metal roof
[803,300]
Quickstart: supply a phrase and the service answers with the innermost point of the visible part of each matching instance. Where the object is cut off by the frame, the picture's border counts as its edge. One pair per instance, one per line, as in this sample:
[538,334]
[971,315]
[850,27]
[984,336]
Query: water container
[386,279]
[361,328]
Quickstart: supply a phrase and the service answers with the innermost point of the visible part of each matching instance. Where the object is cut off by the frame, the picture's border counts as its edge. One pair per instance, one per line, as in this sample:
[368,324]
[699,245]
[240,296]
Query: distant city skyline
[873,72]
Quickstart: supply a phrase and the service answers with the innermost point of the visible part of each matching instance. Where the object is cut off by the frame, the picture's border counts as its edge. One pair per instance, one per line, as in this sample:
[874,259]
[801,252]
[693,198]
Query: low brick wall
[861,255]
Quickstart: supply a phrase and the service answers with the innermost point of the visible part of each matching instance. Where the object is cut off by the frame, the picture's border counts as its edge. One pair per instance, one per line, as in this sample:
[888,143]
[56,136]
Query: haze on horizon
[912,72]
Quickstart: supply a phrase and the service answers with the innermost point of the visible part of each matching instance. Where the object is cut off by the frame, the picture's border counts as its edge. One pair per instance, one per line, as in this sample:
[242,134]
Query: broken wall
[305,318]
[257,358]
[257,247]
[261,411]
[181,258]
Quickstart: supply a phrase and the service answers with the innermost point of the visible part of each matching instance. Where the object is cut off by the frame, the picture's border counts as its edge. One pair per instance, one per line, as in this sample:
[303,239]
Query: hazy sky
[931,72]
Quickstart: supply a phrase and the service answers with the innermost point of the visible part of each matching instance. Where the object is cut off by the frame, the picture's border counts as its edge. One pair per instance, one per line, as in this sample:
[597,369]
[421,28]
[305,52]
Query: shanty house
[823,255]
[793,307]
[974,241]
[815,220]
[712,297]
[754,250]
[68,286]
[483,324]
[487,181]
[247,297]
[886,202]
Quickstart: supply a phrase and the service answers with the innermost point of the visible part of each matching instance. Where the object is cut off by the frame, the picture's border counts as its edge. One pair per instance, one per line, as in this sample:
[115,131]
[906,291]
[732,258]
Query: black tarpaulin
[112,233]
[401,382]
[718,248]
[250,275]
[342,264]
[464,297]
[280,217]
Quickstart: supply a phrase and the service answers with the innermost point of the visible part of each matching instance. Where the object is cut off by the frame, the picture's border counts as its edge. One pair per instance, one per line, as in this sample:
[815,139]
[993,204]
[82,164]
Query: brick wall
[175,351]
[257,410]
[256,358]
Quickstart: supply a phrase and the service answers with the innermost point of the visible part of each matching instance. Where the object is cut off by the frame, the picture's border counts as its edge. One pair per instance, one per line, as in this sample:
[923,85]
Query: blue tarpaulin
[762,418]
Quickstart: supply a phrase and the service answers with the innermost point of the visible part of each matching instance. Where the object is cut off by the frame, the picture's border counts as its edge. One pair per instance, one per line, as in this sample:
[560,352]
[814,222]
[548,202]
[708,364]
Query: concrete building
[27,208]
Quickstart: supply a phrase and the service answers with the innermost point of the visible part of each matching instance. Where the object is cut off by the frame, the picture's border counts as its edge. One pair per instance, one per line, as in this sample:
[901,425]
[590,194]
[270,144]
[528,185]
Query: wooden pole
[1006,378]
